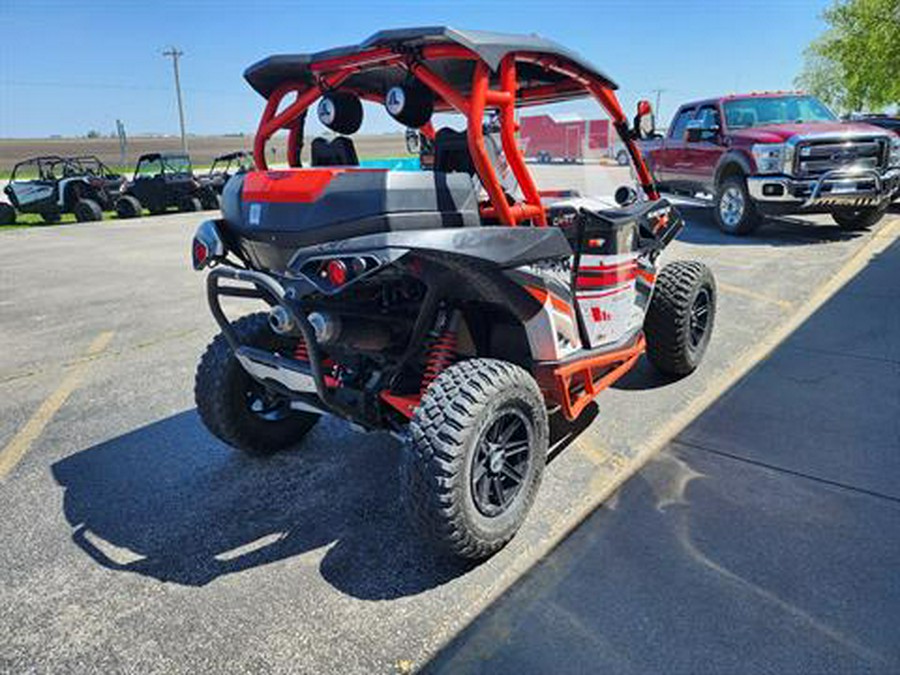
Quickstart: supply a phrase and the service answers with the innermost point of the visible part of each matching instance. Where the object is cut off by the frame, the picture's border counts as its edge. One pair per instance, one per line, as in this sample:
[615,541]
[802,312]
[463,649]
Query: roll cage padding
[569,78]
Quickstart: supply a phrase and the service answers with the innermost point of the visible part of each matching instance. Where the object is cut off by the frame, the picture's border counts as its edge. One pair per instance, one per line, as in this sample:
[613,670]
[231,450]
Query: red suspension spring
[301,352]
[441,354]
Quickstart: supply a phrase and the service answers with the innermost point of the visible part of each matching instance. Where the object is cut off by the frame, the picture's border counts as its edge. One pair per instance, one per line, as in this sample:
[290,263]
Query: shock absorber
[442,350]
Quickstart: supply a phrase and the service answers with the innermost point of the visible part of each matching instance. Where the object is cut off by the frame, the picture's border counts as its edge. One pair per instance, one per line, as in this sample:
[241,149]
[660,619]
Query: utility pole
[658,94]
[176,54]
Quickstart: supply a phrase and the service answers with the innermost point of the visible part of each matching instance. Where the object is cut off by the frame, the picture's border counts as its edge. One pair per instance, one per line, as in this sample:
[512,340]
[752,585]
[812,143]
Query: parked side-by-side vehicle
[52,185]
[457,307]
[162,181]
[774,154]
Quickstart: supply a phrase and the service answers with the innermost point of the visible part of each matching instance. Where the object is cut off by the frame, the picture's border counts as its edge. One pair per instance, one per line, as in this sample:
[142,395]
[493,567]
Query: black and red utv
[450,307]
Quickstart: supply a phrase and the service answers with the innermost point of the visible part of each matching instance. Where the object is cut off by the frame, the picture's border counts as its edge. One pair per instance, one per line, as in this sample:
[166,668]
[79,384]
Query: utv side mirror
[700,130]
[644,121]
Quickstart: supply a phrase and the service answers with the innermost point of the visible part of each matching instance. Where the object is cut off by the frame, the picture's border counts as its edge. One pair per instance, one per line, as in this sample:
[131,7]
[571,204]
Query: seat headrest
[337,152]
[451,152]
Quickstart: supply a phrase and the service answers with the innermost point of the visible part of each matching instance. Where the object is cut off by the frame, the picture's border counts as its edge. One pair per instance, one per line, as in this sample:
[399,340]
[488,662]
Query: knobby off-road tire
[735,211]
[7,214]
[456,439]
[853,220]
[128,206]
[87,210]
[681,316]
[234,407]
[51,217]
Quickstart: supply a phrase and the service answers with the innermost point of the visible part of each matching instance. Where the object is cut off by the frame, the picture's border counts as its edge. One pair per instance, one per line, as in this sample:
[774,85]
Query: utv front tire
[189,205]
[478,448]
[128,206]
[87,210]
[680,319]
[735,210]
[854,220]
[234,407]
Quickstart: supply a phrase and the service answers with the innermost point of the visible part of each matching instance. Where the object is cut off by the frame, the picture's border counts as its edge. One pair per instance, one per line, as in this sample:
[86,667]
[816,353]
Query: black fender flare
[731,159]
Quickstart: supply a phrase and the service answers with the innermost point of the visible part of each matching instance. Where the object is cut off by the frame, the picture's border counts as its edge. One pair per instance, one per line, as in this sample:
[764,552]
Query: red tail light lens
[200,254]
[336,271]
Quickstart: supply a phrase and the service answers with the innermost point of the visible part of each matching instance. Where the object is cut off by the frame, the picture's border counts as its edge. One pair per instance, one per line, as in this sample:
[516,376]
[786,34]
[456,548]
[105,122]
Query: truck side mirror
[644,121]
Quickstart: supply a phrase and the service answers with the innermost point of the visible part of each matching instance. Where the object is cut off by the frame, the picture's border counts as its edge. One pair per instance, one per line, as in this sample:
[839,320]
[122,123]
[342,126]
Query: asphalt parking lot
[134,541]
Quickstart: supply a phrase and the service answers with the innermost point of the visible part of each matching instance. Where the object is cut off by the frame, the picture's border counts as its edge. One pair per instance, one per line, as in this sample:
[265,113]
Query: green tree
[855,64]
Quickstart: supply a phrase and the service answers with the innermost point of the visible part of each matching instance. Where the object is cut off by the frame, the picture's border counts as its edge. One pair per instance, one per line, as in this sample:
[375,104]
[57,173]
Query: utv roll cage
[170,163]
[45,165]
[468,72]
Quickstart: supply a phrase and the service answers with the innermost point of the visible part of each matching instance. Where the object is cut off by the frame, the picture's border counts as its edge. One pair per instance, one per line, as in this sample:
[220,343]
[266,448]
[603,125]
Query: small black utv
[162,181]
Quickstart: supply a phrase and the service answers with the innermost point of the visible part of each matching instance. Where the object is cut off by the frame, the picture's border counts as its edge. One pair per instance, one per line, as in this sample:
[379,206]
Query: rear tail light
[337,273]
[207,246]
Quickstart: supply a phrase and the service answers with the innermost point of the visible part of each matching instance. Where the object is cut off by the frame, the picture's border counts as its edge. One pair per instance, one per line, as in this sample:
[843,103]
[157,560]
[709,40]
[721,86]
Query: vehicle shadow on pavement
[700,228]
[169,502]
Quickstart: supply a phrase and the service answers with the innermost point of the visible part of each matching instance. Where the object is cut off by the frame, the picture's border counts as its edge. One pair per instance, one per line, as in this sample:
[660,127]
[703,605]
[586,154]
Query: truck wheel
[735,211]
[858,219]
[680,319]
[238,410]
[128,206]
[7,214]
[87,210]
[478,447]
[51,217]
[189,204]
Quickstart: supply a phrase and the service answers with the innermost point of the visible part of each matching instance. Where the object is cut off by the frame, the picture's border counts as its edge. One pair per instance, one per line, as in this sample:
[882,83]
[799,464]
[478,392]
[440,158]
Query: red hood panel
[778,133]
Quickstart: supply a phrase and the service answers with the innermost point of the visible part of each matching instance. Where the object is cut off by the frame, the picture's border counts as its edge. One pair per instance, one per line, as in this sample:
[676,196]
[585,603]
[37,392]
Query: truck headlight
[770,157]
[894,156]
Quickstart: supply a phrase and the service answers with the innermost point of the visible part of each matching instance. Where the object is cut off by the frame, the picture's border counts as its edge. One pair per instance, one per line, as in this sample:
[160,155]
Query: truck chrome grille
[816,156]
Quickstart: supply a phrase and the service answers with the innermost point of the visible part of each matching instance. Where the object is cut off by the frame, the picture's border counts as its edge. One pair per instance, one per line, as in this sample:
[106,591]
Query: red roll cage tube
[331,73]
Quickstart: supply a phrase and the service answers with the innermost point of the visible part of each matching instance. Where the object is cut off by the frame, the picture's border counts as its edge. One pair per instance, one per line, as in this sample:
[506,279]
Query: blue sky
[67,67]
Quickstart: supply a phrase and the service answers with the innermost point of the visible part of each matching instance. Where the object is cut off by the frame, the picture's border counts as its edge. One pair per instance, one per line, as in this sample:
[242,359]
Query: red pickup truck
[776,153]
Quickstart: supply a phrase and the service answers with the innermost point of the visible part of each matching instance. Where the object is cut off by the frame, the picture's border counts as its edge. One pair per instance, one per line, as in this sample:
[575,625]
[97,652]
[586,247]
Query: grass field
[201,148]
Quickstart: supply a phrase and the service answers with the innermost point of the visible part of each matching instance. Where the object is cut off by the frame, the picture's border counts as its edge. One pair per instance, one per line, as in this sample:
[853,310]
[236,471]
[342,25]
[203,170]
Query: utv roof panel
[266,75]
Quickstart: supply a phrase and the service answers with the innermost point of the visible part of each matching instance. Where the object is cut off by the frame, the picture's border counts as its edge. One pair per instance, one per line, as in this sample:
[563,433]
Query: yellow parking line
[21,443]
[737,290]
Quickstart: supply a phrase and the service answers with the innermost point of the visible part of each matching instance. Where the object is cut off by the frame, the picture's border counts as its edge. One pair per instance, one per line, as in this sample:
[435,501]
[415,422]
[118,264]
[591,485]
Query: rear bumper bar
[834,188]
[286,376]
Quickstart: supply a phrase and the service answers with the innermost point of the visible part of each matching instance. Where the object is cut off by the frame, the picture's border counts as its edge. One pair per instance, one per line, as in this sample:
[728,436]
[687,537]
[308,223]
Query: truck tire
[234,407]
[87,210]
[189,204]
[7,214]
[128,206]
[679,321]
[853,220]
[476,456]
[735,211]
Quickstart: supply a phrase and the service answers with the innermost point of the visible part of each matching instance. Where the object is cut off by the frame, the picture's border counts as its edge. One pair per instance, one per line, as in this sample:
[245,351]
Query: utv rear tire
[51,217]
[87,210]
[128,206]
[7,214]
[211,201]
[462,487]
[227,397]
[681,316]
[735,210]
[189,205]
[853,220]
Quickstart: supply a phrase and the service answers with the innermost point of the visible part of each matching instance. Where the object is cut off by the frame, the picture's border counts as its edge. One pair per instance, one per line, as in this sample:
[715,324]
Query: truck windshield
[755,112]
